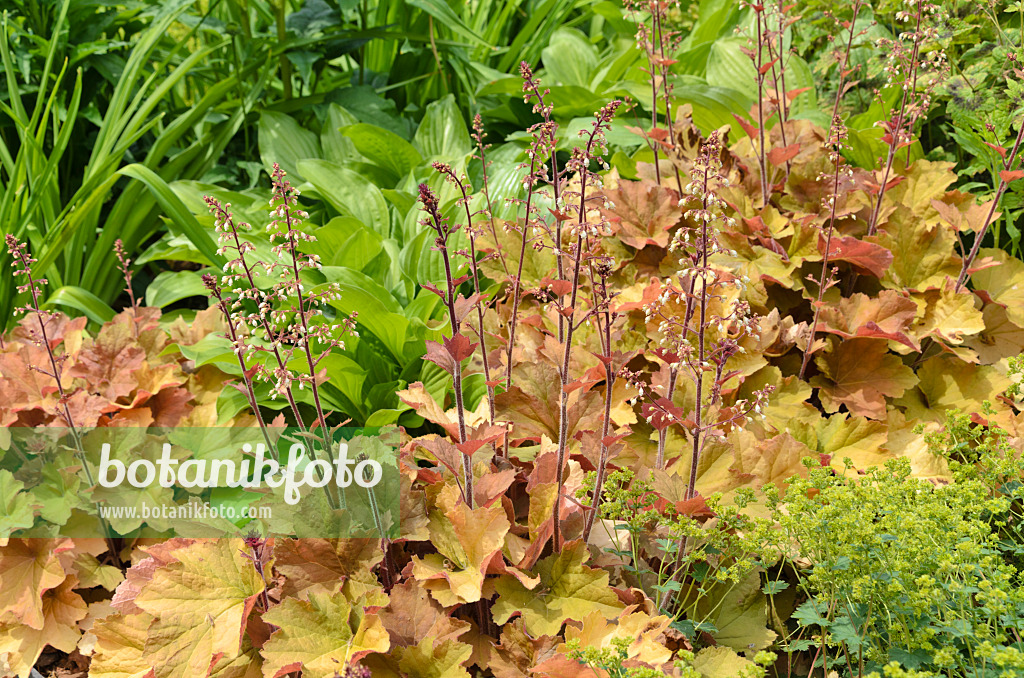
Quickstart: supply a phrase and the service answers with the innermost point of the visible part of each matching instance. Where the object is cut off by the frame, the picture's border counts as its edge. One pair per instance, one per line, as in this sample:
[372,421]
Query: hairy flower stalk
[428,200]
[239,269]
[450,175]
[580,163]
[695,294]
[715,331]
[481,149]
[238,347]
[836,137]
[531,90]
[761,152]
[827,279]
[543,145]
[304,333]
[258,554]
[657,42]
[673,365]
[124,265]
[1005,177]
[22,265]
[899,127]
[775,56]
[667,42]
[704,273]
[604,316]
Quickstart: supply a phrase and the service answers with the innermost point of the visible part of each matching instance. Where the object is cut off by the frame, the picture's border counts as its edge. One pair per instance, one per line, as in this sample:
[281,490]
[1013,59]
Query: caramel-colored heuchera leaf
[947,382]
[321,564]
[722,662]
[28,568]
[320,635]
[860,374]
[1000,339]
[1003,284]
[949,315]
[518,653]
[641,213]
[533,401]
[62,608]
[888,316]
[468,540]
[923,254]
[568,589]
[645,631]
[201,602]
[412,615]
[766,461]
[865,257]
[436,659]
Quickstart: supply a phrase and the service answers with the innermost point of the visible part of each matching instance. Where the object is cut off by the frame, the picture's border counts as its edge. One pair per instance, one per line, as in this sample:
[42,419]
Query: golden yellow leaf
[568,590]
[320,635]
[201,602]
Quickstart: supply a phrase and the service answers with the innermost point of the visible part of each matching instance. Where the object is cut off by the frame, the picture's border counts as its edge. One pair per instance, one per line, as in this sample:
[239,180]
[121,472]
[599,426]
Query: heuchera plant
[677,365]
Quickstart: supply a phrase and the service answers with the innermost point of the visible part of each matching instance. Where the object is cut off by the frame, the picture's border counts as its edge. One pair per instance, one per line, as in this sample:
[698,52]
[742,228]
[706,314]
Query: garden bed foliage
[736,404]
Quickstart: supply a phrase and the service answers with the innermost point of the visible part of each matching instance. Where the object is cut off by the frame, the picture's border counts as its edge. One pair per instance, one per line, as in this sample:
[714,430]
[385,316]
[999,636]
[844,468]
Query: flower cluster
[284,316]
[22,265]
[702,317]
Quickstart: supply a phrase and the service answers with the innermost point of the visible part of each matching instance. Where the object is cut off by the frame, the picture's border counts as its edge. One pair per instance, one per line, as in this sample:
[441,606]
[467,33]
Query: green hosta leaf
[443,133]
[378,311]
[172,286]
[350,193]
[729,66]
[337,147]
[444,14]
[569,58]
[345,375]
[176,210]
[345,241]
[83,300]
[284,141]
[211,349]
[384,148]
